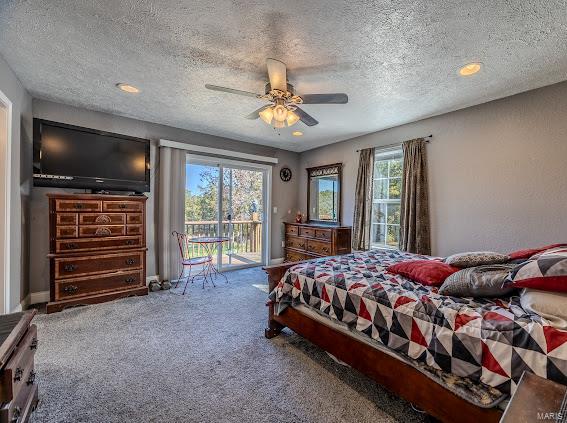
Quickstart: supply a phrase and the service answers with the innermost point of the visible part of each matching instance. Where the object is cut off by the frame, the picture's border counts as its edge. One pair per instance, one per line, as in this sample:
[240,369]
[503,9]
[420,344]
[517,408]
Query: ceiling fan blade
[335,98]
[305,117]
[278,74]
[231,91]
[256,113]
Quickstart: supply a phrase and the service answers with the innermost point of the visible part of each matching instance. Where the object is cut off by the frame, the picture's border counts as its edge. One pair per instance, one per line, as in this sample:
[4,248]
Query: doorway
[5,137]
[230,199]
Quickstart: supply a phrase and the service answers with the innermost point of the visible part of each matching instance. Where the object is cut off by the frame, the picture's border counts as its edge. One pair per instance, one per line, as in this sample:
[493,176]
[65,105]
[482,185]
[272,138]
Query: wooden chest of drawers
[304,241]
[18,387]
[97,248]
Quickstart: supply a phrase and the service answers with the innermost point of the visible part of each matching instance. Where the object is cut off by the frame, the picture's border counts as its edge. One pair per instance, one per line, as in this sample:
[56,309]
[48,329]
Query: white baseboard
[277,260]
[34,298]
[17,309]
[152,278]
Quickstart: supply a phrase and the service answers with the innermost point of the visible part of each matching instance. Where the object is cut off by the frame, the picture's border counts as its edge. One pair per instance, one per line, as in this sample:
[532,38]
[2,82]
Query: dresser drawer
[95,244]
[78,205]
[291,256]
[134,218]
[323,234]
[309,232]
[66,232]
[294,242]
[134,230]
[72,267]
[18,372]
[90,231]
[109,206]
[67,218]
[291,229]
[20,409]
[90,285]
[319,247]
[102,219]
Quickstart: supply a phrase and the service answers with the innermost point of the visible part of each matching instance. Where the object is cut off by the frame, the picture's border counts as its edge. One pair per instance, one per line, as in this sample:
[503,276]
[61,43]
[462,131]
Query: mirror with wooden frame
[324,194]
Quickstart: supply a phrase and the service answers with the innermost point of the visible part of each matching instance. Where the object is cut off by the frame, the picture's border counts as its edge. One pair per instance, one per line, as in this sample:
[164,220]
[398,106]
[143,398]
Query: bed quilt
[491,341]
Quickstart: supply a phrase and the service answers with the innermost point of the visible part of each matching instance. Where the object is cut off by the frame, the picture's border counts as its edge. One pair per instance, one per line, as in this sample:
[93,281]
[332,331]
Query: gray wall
[284,195]
[21,149]
[497,171]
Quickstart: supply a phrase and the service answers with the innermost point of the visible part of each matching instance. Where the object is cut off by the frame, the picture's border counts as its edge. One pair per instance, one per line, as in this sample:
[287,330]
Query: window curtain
[414,220]
[171,209]
[363,201]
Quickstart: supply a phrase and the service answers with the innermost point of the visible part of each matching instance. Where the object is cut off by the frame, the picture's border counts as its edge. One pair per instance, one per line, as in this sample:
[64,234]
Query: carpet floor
[201,357]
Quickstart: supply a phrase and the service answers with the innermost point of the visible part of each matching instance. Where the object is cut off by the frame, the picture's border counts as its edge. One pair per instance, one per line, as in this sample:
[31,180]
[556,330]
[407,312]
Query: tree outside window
[386,199]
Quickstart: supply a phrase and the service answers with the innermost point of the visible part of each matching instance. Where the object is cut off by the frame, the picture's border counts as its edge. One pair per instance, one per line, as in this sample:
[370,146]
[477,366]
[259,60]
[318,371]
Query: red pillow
[426,272]
[526,254]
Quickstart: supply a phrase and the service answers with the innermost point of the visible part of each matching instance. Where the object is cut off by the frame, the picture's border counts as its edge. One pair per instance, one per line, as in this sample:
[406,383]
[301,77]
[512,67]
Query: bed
[448,356]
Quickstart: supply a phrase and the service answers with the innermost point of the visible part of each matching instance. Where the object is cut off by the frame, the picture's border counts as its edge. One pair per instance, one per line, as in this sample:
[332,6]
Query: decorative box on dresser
[304,241]
[97,248]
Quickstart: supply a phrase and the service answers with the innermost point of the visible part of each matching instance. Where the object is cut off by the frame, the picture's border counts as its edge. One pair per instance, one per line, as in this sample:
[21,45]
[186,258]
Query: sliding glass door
[229,199]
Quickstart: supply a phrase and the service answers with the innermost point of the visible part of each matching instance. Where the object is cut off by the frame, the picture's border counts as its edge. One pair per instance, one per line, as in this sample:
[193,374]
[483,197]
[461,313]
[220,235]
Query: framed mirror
[324,194]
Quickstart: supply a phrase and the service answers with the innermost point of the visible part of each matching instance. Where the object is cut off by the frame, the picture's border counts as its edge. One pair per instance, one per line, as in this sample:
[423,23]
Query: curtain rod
[427,140]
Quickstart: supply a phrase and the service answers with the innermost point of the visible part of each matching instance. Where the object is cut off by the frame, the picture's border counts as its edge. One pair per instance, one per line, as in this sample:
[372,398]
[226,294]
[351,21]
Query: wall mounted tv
[67,156]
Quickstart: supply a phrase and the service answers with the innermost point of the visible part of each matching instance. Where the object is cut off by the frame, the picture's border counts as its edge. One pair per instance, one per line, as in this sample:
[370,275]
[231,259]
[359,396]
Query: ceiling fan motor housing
[290,88]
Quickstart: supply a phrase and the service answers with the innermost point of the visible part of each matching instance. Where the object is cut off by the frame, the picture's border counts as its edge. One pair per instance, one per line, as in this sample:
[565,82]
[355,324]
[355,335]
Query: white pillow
[552,306]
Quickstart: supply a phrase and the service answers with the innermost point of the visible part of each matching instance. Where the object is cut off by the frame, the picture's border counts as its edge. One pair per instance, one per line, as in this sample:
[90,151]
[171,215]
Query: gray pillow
[480,281]
[476,258]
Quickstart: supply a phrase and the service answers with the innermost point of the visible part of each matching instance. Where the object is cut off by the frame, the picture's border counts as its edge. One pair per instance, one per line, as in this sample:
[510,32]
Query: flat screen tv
[67,156]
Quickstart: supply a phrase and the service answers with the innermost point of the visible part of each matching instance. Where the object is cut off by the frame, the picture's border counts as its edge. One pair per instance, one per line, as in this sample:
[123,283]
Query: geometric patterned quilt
[491,341]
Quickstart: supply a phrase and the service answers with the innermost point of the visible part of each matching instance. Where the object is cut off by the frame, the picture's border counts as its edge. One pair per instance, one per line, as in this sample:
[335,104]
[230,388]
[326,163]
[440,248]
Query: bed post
[275,275]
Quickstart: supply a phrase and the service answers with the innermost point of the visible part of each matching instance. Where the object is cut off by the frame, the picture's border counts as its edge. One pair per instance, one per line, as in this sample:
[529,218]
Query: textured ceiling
[397,60]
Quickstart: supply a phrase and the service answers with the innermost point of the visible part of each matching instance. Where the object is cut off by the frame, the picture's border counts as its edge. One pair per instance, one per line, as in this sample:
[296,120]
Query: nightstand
[536,400]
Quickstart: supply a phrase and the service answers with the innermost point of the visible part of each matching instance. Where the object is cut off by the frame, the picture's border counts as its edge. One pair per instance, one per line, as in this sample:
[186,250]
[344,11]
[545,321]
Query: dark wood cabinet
[18,387]
[97,248]
[304,241]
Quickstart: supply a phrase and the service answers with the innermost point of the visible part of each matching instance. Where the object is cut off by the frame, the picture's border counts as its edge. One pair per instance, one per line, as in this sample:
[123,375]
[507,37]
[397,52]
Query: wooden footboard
[395,375]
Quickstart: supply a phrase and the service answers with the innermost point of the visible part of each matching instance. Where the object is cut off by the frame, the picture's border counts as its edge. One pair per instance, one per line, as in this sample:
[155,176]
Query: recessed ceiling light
[297,133]
[470,69]
[128,88]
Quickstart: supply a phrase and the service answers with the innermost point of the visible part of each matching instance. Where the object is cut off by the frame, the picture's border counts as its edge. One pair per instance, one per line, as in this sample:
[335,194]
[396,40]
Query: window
[386,199]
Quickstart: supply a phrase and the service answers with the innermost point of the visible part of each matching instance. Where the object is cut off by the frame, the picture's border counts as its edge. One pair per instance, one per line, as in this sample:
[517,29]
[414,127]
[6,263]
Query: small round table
[211,245]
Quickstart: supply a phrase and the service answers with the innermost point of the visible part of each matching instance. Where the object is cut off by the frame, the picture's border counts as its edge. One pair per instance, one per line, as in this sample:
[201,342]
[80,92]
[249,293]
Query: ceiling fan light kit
[283,109]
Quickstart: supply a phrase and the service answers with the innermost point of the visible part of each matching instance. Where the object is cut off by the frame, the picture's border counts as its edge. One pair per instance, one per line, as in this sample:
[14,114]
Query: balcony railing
[246,235]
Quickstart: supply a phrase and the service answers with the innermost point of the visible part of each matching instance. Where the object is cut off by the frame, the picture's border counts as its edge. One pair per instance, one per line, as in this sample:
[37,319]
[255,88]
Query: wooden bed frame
[395,375]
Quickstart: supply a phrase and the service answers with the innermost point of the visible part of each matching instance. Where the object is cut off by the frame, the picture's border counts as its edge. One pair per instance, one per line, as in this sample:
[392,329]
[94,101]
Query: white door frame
[5,243]
[267,169]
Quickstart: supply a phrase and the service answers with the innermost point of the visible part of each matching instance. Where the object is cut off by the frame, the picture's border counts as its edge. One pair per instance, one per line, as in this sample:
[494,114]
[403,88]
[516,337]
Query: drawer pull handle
[102,219]
[72,245]
[70,267]
[130,242]
[130,280]
[70,289]
[78,206]
[130,262]
[325,250]
[31,378]
[102,231]
[302,246]
[18,374]
[16,415]
[122,206]
[33,344]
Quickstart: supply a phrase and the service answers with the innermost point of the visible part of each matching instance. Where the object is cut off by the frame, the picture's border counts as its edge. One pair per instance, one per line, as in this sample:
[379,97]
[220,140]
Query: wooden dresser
[97,248]
[18,387]
[304,241]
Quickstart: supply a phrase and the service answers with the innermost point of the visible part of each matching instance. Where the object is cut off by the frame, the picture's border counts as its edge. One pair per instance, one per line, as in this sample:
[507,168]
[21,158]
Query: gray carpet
[197,358]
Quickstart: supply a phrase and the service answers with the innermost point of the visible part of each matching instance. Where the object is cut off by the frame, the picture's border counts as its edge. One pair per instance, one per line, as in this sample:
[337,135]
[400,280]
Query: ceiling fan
[283,108]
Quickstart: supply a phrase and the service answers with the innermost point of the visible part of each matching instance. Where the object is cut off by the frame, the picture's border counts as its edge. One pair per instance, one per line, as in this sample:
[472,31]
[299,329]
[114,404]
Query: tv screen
[74,157]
